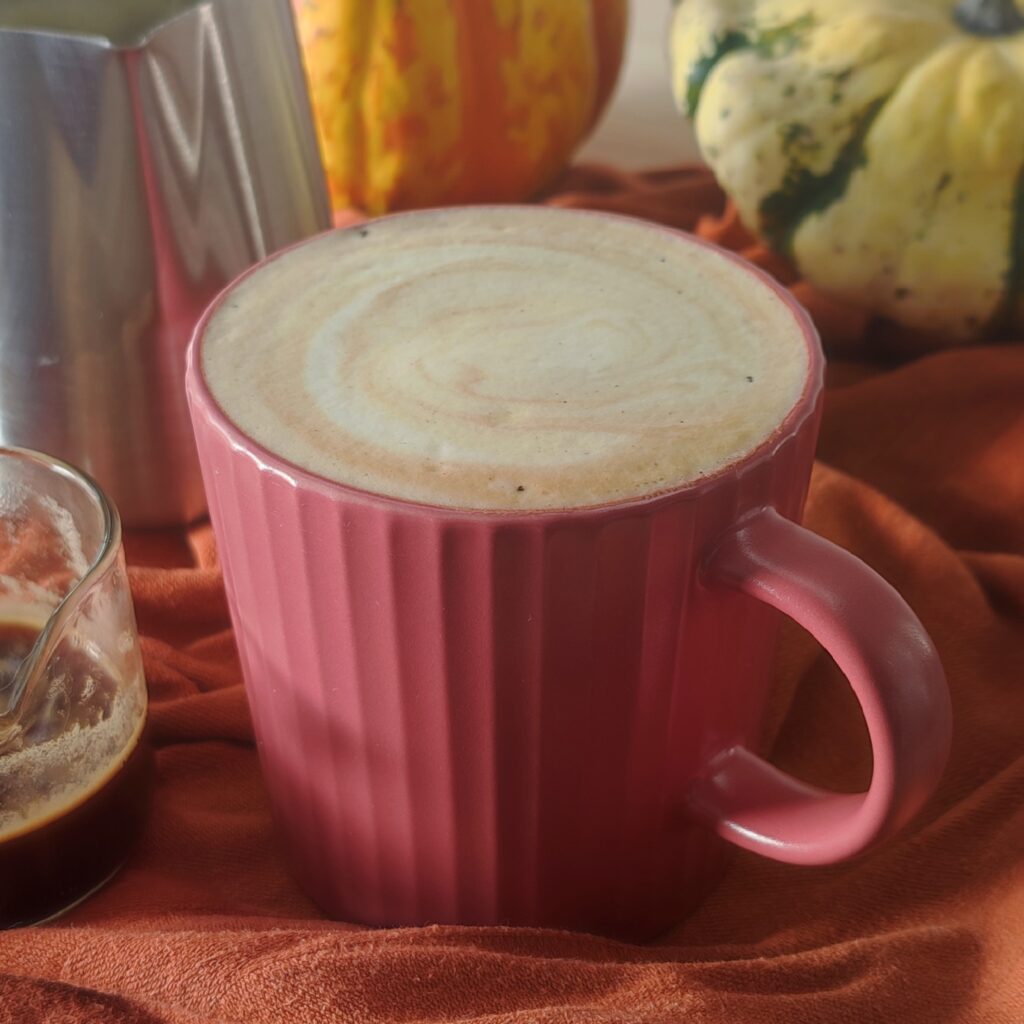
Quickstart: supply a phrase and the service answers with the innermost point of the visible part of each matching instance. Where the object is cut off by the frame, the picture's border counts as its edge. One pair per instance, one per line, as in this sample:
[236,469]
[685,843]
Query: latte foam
[505,358]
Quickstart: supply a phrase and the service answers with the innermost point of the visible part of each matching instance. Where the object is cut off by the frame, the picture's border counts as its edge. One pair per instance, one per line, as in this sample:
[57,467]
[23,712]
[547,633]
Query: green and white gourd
[879,144]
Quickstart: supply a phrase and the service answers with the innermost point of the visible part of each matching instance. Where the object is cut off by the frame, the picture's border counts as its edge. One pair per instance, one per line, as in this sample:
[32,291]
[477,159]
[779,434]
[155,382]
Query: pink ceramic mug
[548,718]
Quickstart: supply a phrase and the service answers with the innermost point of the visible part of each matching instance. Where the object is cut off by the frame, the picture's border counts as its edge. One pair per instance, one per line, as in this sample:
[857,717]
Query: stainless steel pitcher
[149,151]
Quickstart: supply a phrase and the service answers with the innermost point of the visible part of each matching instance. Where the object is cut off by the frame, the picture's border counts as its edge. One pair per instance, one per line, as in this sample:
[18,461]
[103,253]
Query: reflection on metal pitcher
[148,157]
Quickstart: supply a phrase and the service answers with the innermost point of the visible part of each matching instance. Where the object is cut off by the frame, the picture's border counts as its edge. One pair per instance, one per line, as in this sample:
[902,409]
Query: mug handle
[889,660]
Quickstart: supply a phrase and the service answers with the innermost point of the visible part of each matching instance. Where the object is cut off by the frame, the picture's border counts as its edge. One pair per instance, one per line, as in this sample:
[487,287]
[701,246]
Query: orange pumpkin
[425,102]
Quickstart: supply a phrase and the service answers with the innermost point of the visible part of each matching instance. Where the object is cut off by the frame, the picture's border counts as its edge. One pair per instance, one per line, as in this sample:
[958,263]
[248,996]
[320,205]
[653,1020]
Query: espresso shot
[72,803]
[75,767]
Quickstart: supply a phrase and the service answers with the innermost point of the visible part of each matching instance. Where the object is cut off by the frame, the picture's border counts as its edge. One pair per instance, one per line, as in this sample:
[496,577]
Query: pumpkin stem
[989,17]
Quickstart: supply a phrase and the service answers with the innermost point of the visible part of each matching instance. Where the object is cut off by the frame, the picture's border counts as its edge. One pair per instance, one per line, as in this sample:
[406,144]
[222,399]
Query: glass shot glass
[74,766]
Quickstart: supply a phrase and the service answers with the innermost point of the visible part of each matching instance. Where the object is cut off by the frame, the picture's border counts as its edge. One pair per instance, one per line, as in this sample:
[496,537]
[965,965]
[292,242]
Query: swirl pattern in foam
[505,358]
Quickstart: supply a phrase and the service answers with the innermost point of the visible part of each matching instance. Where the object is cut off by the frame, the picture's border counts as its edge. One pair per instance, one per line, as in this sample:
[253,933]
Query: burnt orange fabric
[921,473]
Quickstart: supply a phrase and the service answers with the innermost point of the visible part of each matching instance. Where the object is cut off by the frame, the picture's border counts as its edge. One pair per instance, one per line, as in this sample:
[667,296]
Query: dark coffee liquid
[54,852]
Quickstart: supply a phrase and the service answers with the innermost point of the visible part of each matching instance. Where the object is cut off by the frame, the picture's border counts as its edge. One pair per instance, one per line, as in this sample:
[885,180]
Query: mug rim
[200,394]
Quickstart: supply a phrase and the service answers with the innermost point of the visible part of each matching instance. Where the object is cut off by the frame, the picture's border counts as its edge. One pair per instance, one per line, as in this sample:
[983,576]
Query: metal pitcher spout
[95,22]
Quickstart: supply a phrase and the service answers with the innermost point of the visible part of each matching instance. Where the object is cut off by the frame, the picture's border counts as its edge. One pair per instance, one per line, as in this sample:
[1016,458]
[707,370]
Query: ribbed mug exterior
[484,717]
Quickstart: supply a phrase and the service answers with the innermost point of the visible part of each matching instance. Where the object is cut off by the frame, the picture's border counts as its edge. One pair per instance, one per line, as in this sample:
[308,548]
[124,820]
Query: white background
[642,128]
